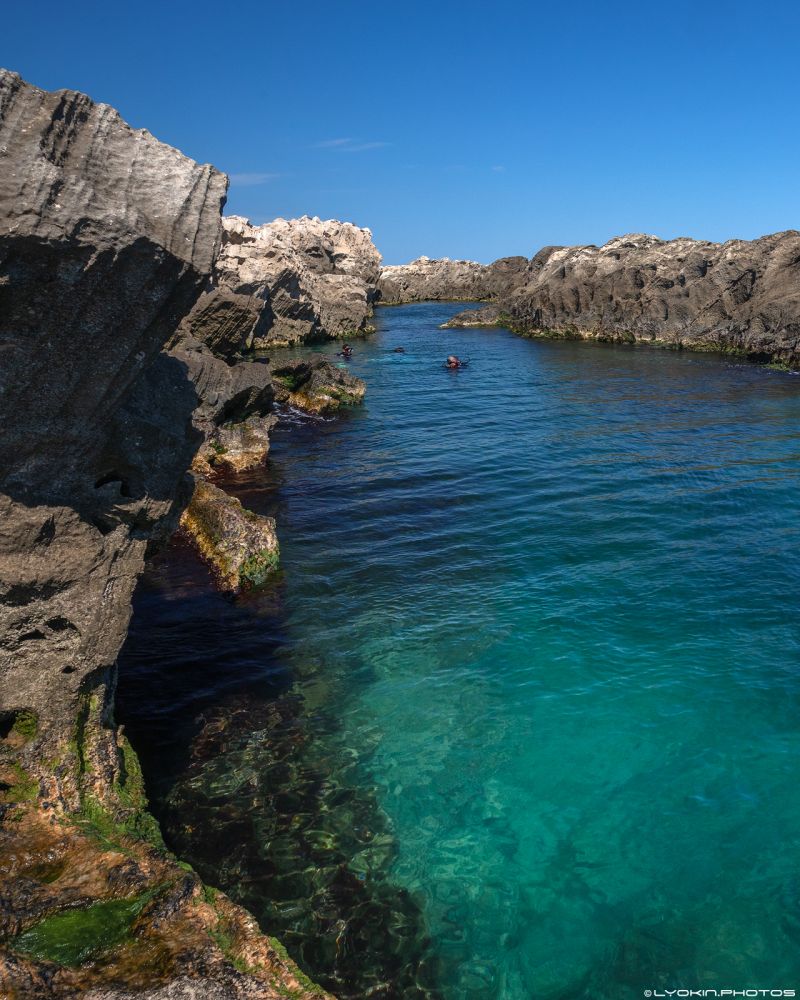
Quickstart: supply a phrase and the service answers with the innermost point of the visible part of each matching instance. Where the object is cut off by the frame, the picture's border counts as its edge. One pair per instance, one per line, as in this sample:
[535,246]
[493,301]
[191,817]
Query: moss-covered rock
[241,546]
[315,385]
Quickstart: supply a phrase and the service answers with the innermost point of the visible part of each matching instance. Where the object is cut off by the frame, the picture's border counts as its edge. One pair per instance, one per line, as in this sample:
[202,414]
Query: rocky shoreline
[740,297]
[134,321]
[112,386]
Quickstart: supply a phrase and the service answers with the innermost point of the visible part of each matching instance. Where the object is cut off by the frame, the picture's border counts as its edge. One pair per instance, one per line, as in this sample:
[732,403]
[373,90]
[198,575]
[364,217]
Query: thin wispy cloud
[349,145]
[499,169]
[251,180]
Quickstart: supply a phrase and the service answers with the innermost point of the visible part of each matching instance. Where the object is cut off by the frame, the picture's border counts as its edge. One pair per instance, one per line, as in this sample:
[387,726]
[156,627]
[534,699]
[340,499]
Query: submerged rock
[316,385]
[286,282]
[240,545]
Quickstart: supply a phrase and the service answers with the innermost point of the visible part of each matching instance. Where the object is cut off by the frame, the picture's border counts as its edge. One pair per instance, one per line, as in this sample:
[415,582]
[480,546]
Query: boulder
[316,385]
[242,547]
[236,446]
[485,316]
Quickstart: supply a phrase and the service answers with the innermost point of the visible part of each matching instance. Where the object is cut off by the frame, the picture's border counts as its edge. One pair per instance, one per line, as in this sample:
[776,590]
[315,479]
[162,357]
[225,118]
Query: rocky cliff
[740,297]
[449,280]
[287,282]
[106,239]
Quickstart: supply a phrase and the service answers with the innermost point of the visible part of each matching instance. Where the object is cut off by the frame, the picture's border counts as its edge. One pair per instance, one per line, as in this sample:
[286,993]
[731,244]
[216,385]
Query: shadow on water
[246,792]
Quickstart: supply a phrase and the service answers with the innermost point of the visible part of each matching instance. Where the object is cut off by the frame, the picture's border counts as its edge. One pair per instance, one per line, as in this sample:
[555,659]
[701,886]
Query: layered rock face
[106,239]
[287,282]
[449,280]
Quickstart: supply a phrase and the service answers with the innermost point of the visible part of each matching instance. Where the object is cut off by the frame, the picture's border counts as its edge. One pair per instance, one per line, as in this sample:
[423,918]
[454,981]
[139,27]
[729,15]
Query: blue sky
[463,129]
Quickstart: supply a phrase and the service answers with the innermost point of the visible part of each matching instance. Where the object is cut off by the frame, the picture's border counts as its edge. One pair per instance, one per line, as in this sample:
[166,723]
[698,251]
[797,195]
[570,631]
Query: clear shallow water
[543,615]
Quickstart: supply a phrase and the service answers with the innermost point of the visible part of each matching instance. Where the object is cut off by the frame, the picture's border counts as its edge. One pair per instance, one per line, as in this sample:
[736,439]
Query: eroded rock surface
[106,238]
[286,282]
[449,280]
[485,316]
[237,445]
[740,296]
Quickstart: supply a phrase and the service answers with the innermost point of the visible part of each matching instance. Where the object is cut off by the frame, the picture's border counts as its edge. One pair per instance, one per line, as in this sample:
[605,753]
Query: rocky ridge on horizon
[426,279]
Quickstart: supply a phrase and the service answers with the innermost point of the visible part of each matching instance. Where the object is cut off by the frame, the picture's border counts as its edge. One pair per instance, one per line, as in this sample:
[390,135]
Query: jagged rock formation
[740,297]
[241,546]
[106,238]
[287,282]
[449,280]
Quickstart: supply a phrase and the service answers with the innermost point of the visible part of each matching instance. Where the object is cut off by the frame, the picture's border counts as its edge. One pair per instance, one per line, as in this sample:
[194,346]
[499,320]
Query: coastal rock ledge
[741,297]
[107,237]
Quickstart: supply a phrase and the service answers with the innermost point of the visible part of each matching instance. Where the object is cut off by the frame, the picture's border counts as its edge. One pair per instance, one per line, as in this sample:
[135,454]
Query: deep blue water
[543,613]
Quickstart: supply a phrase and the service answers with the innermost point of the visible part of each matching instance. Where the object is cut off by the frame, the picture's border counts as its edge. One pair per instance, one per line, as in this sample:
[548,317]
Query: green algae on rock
[73,936]
[315,385]
[241,546]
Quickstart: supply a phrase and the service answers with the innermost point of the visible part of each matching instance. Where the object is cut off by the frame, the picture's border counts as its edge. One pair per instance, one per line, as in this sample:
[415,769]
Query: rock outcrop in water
[315,385]
[449,280]
[740,297]
[240,545]
[287,282]
[106,238]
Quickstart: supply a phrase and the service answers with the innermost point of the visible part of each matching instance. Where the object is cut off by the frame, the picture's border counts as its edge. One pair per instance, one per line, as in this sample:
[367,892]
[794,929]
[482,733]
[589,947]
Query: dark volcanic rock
[737,296]
[450,280]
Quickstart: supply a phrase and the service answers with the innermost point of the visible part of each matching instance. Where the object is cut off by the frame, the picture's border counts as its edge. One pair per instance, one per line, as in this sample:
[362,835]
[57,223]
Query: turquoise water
[544,613]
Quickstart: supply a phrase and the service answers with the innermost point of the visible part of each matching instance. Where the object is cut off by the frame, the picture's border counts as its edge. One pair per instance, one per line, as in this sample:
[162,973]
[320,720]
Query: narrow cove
[463,749]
